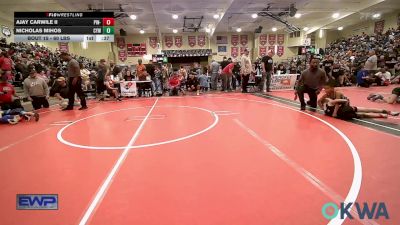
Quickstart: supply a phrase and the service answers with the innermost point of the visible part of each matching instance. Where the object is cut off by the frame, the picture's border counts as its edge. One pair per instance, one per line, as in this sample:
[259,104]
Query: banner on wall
[192,41]
[128,88]
[201,40]
[281,39]
[222,40]
[122,56]
[153,42]
[280,51]
[121,42]
[234,52]
[178,41]
[63,46]
[263,39]
[263,51]
[271,49]
[169,41]
[244,39]
[242,49]
[379,26]
[234,39]
[271,39]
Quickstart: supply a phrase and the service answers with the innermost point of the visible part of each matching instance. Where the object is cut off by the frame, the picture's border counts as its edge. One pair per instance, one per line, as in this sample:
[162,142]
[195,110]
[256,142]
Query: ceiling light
[340,28]
[306,28]
[377,15]
[141,31]
[274,29]
[175,17]
[254,15]
[216,16]
[208,30]
[133,17]
[321,33]
[175,31]
[335,15]
[239,29]
[297,15]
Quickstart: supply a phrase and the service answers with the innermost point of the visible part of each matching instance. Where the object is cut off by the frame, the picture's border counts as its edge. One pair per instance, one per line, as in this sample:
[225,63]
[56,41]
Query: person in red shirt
[227,76]
[7,94]
[6,63]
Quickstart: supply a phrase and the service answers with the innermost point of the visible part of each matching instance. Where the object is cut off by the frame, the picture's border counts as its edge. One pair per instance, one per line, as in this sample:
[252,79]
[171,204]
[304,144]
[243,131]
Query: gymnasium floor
[217,159]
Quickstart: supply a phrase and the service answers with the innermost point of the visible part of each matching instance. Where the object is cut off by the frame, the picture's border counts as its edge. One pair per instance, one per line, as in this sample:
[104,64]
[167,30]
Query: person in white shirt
[372,63]
[245,69]
[383,77]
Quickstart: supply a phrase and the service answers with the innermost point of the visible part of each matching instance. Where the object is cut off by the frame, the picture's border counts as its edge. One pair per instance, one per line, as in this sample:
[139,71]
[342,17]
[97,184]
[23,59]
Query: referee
[75,82]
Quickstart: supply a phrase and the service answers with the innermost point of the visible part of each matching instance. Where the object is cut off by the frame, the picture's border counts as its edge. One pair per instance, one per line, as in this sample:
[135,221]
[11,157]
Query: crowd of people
[362,60]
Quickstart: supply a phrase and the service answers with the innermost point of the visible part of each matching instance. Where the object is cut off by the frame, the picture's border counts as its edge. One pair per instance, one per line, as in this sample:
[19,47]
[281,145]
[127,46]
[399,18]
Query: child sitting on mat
[337,105]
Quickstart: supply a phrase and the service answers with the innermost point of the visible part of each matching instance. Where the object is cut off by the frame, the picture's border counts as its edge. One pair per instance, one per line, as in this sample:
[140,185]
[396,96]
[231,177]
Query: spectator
[8,96]
[203,79]
[102,72]
[227,74]
[363,79]
[74,83]
[128,76]
[371,65]
[214,68]
[383,77]
[109,83]
[192,83]
[36,90]
[245,70]
[267,69]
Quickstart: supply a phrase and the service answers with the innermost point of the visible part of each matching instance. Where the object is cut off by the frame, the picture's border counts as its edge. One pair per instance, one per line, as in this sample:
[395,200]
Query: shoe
[68,108]
[395,113]
[118,99]
[83,108]
[36,116]
[303,107]
[101,99]
[370,96]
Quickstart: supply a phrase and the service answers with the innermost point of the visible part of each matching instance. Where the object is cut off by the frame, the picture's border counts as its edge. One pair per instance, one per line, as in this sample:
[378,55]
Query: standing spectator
[203,79]
[102,72]
[36,90]
[75,82]
[311,82]
[224,62]
[371,65]
[245,70]
[215,68]
[267,68]
[6,64]
[227,74]
[141,71]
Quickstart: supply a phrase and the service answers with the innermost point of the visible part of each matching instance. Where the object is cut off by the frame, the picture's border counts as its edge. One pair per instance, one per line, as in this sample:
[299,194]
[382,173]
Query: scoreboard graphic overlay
[63,27]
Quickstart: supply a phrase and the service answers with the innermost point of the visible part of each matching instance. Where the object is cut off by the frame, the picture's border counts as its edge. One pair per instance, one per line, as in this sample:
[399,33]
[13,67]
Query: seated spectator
[8,96]
[335,104]
[111,90]
[128,76]
[192,83]
[363,79]
[174,84]
[383,77]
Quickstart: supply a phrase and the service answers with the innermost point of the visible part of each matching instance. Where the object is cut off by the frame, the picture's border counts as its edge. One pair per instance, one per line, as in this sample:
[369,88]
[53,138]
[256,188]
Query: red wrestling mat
[209,160]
